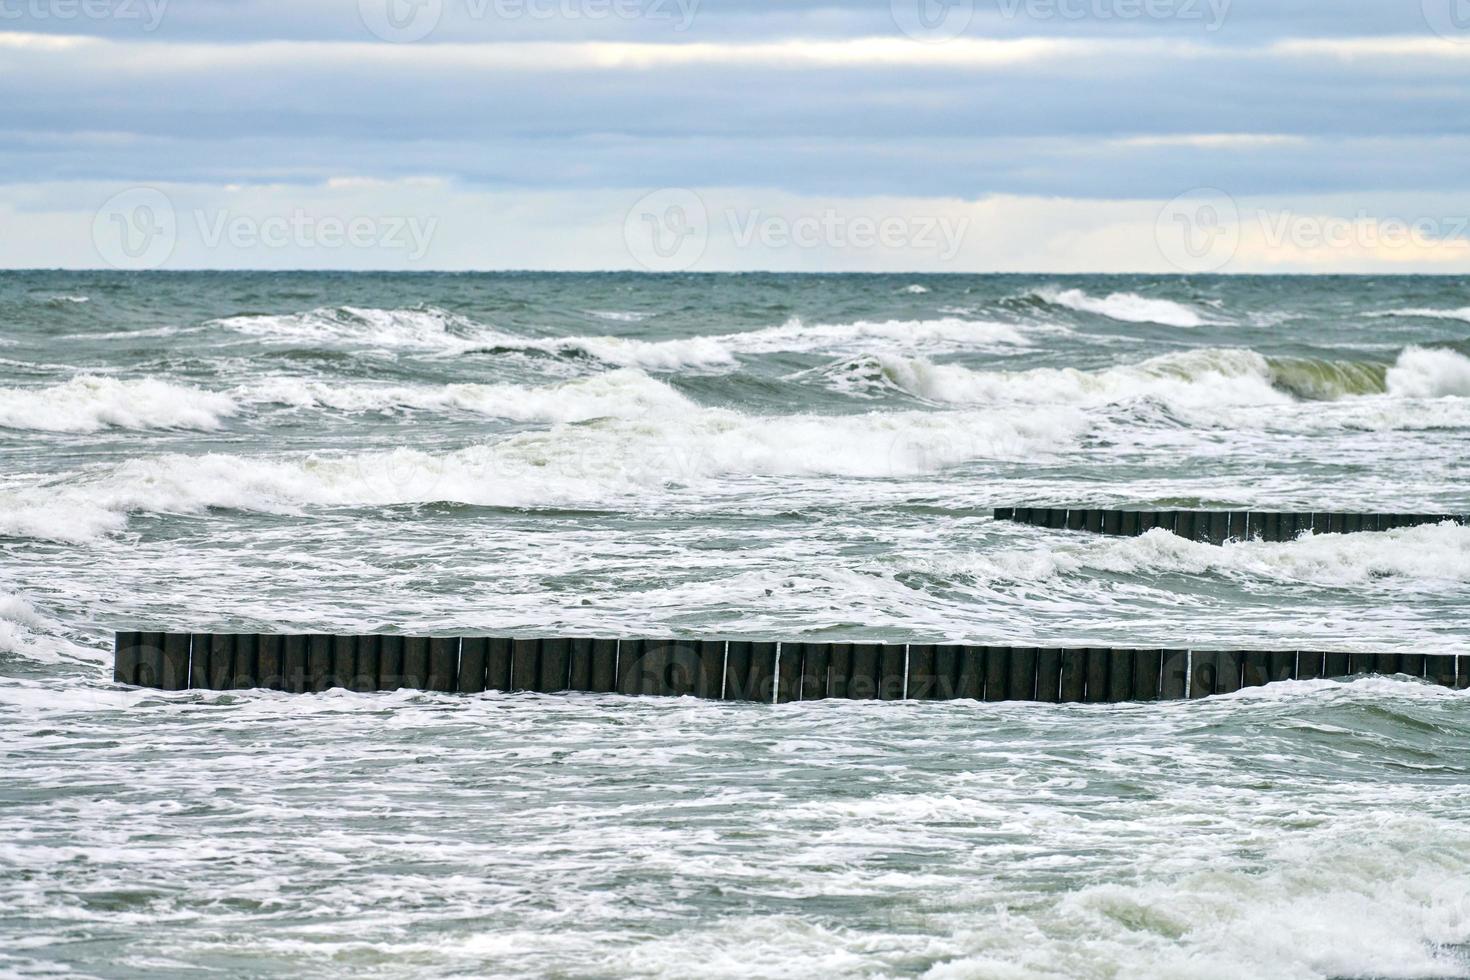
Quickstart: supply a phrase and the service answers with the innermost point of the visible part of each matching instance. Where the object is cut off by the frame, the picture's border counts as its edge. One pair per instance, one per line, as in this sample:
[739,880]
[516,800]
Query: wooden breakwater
[1216,527]
[733,670]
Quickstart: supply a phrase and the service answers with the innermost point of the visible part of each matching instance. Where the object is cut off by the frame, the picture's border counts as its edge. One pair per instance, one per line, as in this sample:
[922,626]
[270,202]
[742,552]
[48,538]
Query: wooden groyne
[733,670]
[1216,527]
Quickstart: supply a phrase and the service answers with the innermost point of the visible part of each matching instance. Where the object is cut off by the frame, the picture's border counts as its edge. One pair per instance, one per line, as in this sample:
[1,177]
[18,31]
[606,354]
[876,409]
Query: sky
[1155,136]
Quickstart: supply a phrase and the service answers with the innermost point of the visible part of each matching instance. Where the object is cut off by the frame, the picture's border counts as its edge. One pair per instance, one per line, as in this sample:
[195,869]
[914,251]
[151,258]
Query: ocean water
[774,457]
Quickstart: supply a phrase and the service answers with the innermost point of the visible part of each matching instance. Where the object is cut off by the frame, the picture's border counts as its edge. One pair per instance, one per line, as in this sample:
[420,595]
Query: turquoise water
[755,456]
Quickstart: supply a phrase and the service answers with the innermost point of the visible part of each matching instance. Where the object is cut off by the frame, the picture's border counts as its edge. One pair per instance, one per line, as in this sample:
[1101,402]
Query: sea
[779,457]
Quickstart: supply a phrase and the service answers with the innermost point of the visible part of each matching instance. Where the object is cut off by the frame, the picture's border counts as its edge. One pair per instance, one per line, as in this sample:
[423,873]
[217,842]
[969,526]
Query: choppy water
[760,456]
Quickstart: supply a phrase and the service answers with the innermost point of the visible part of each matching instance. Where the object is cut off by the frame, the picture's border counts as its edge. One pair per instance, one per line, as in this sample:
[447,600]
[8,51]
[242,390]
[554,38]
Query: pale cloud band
[811,138]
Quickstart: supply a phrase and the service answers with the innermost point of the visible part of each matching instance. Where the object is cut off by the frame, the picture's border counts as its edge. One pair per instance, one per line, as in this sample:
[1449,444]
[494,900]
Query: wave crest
[1124,307]
[609,460]
[88,403]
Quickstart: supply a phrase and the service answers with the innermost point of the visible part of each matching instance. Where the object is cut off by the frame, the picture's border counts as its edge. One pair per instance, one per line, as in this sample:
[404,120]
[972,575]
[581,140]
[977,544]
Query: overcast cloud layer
[1040,135]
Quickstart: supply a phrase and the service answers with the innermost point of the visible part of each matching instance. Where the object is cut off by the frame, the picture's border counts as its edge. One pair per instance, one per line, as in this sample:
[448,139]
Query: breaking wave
[88,403]
[1197,379]
[1432,556]
[623,393]
[584,464]
[435,330]
[1125,307]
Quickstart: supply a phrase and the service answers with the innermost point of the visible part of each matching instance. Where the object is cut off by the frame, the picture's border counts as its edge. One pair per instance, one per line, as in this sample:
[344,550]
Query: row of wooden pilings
[733,670]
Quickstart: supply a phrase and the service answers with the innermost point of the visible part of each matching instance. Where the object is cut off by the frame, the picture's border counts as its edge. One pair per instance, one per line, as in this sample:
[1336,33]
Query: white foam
[1430,373]
[437,330]
[625,393]
[26,632]
[592,463]
[1198,379]
[915,289]
[1126,307]
[422,329]
[1429,557]
[1430,314]
[619,316]
[88,403]
[950,332]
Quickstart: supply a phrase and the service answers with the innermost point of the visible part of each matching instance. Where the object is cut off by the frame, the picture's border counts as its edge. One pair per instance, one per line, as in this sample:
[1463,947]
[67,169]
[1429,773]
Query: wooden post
[344,661]
[1174,675]
[318,663]
[415,663]
[709,669]
[498,655]
[1147,669]
[473,651]
[579,671]
[369,664]
[970,682]
[245,673]
[864,677]
[816,664]
[213,662]
[892,671]
[1121,664]
[270,662]
[525,667]
[390,663]
[1074,675]
[443,663]
[1021,684]
[923,683]
[556,665]
[1049,675]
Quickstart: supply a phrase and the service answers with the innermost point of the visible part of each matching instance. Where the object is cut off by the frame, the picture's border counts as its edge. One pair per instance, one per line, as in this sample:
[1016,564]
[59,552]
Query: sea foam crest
[1462,313]
[1195,379]
[1429,373]
[623,393]
[607,460]
[1125,307]
[26,632]
[88,403]
[439,331]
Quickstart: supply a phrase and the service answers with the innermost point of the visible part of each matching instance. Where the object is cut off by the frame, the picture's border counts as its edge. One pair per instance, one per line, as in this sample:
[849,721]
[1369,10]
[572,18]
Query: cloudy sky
[942,135]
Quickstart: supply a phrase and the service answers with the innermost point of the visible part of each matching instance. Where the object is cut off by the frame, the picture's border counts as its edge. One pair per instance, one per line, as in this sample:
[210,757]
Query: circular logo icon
[1449,19]
[401,21]
[668,230]
[1199,231]
[136,229]
[933,21]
